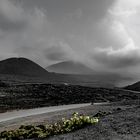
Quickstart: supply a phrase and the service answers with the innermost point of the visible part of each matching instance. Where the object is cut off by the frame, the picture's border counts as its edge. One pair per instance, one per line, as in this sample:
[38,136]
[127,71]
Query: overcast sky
[103,34]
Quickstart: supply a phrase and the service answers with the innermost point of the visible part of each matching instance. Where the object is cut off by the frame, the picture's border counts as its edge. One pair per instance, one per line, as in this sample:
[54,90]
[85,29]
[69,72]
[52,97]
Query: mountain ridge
[135,86]
[21,66]
[24,71]
[70,67]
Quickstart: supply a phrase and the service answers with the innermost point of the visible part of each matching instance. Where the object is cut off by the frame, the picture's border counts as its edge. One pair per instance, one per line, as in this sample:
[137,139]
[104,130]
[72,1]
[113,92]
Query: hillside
[69,67]
[41,95]
[22,67]
[22,70]
[135,86]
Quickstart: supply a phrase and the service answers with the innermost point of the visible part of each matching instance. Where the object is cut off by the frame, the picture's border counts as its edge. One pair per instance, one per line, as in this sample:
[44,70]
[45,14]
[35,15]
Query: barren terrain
[41,95]
[121,124]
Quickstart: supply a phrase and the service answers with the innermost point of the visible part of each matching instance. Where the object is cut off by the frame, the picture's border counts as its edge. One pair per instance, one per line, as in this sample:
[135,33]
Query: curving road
[37,111]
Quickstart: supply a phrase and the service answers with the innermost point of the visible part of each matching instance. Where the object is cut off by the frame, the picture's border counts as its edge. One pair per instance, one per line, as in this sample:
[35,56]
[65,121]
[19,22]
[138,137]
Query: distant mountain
[22,67]
[25,71]
[69,67]
[135,86]
[77,73]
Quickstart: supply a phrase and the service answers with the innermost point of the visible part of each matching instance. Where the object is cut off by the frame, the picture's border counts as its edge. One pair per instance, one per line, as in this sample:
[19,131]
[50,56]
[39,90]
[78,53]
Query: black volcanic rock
[21,66]
[2,84]
[70,67]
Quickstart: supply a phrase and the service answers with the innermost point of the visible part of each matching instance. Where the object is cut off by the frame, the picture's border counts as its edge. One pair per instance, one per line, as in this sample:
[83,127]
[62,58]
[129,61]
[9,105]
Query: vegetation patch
[43,131]
[27,96]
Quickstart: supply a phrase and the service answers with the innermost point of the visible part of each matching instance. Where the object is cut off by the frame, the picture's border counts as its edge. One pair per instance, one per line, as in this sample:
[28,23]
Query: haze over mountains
[24,70]
[70,67]
[95,32]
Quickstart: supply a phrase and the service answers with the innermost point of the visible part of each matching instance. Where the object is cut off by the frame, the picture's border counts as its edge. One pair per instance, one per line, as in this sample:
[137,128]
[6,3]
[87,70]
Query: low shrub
[42,131]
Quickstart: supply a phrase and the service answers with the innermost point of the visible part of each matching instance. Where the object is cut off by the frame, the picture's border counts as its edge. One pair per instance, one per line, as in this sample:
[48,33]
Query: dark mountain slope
[22,70]
[21,66]
[135,86]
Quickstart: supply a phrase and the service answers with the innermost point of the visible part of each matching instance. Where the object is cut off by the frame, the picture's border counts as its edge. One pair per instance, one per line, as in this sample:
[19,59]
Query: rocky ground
[122,124]
[41,95]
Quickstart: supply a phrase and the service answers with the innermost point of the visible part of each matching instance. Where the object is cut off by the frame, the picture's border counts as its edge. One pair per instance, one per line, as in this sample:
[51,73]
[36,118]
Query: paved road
[37,111]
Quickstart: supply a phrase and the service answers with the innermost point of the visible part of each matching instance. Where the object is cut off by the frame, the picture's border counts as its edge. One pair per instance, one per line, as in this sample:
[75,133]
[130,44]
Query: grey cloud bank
[103,34]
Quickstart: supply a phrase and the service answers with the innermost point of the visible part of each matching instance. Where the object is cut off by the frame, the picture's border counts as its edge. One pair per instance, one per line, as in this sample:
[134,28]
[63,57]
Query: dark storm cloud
[60,52]
[11,16]
[7,25]
[101,33]
[117,60]
[55,54]
[27,28]
[117,45]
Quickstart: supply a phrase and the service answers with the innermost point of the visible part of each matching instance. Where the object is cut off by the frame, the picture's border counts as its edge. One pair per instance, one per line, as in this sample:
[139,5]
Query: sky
[102,34]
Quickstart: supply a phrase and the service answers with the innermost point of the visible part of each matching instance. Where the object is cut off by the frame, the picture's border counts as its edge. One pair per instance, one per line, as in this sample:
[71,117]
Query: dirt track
[14,115]
[122,124]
